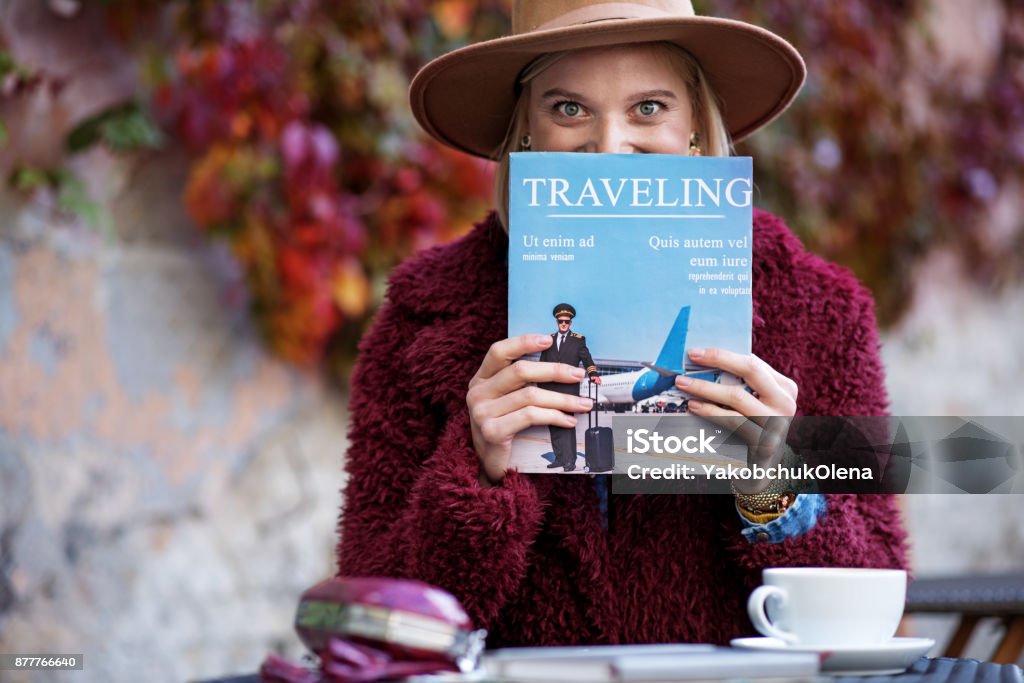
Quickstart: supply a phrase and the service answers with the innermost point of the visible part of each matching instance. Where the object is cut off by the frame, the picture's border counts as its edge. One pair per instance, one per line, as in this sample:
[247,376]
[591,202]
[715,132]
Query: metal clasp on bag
[467,648]
[396,627]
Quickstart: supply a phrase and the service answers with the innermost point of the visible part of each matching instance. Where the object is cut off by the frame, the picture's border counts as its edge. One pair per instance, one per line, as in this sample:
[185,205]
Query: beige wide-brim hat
[466,97]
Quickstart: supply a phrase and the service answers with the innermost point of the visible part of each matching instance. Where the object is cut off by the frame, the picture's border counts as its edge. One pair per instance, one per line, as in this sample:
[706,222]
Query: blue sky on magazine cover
[630,285]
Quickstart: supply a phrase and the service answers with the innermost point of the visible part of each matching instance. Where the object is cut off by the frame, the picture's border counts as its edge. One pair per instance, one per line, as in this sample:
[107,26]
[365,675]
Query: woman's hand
[760,417]
[502,403]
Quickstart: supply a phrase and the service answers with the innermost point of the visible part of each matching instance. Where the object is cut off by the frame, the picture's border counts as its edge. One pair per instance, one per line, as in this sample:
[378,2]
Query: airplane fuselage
[631,387]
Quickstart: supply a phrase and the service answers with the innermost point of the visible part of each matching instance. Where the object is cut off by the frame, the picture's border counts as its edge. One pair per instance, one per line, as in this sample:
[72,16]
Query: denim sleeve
[800,518]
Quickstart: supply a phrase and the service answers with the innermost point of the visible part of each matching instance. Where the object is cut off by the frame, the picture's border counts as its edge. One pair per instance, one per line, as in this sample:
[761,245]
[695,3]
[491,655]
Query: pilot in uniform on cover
[569,348]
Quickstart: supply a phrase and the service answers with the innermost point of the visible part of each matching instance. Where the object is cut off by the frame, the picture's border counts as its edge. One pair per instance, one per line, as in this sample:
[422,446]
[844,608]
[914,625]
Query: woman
[536,559]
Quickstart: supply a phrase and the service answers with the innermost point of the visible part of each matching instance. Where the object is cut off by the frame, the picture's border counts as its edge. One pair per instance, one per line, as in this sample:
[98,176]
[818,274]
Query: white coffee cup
[829,605]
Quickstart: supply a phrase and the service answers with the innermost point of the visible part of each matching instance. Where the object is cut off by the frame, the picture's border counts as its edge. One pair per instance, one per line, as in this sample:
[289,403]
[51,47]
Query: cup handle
[759,617]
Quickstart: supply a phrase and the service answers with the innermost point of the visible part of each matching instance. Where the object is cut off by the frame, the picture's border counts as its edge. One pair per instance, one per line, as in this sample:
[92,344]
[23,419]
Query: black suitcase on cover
[599,449]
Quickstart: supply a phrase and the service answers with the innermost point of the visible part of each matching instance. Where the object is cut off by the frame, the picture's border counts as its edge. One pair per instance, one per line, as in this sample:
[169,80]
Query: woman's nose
[613,136]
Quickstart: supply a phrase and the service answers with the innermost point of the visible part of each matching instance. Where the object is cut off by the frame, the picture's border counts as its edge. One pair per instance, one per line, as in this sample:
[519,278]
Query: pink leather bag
[368,629]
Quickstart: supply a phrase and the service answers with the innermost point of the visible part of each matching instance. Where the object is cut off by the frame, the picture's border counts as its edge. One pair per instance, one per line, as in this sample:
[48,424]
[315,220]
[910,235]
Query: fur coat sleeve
[413,506]
[814,322]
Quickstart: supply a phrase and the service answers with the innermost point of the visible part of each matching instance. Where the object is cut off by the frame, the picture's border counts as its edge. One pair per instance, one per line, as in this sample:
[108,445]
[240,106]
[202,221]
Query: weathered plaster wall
[166,489]
[958,352]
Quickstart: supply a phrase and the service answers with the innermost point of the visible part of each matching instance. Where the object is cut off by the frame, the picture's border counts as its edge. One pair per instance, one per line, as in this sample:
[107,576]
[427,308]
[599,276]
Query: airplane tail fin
[671,359]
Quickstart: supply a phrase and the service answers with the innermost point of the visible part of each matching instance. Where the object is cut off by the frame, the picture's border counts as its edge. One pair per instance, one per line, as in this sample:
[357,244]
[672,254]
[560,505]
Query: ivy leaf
[123,128]
[70,192]
[83,136]
[73,197]
[7,64]
[131,131]
[29,178]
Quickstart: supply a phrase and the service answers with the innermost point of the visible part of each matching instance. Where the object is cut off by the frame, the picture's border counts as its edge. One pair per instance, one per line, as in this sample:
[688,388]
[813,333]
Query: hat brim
[465,98]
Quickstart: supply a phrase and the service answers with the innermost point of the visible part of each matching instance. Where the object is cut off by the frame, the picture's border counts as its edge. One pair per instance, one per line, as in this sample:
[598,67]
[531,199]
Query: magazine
[641,257]
[647,663]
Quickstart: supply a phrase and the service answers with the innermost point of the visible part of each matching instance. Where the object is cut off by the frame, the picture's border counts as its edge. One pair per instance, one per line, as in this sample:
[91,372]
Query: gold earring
[695,149]
[525,142]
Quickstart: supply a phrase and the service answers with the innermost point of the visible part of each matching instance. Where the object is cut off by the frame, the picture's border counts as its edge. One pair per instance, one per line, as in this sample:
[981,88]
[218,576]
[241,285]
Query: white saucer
[892,657]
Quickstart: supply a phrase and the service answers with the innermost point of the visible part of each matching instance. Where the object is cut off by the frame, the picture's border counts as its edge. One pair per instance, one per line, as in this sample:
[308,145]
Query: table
[924,670]
[947,670]
[975,597]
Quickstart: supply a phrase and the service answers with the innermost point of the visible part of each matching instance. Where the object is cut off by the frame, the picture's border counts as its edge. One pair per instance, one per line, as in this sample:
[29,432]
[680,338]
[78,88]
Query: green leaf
[130,130]
[7,63]
[71,193]
[73,197]
[28,178]
[123,128]
[4,136]
[83,136]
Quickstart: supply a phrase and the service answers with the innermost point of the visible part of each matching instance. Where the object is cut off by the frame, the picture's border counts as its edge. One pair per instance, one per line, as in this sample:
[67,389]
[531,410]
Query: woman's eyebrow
[561,93]
[654,94]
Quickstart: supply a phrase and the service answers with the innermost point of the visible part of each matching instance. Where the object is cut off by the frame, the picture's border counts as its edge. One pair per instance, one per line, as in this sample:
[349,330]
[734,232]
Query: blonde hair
[706,114]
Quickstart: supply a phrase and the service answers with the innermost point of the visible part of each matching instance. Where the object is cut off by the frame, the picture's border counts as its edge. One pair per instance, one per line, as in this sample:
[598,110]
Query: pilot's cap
[564,309]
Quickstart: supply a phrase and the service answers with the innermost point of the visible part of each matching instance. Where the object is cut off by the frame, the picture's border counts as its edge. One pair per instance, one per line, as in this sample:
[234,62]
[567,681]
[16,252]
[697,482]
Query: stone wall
[166,489]
[958,352]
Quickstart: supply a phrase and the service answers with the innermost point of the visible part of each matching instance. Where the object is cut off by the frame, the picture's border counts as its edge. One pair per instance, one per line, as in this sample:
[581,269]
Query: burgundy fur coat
[530,559]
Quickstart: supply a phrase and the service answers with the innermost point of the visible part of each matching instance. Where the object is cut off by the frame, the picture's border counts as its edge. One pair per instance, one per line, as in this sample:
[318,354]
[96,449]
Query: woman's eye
[649,108]
[569,108]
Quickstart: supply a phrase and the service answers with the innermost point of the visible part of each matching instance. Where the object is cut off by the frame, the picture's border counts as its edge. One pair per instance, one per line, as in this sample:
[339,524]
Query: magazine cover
[628,260]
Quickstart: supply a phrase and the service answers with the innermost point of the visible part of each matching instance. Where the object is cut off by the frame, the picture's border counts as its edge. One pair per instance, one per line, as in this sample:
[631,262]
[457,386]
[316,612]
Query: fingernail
[683,381]
[578,373]
[586,403]
[695,405]
[696,353]
[542,339]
